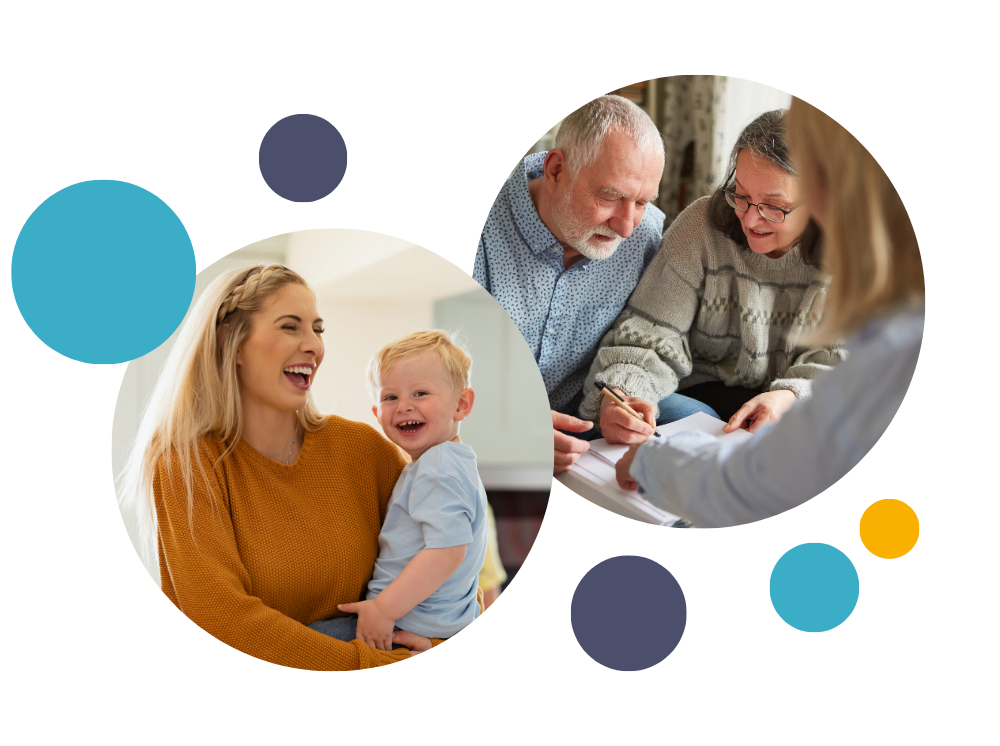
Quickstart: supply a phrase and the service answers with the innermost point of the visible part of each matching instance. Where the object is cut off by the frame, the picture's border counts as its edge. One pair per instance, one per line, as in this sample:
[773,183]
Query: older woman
[876,295]
[264,514]
[722,310]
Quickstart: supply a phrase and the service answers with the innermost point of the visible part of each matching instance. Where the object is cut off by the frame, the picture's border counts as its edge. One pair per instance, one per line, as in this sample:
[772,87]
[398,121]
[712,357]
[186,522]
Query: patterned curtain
[690,116]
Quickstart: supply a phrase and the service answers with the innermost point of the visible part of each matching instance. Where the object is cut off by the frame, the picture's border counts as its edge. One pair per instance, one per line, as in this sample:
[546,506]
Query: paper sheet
[596,466]
[601,475]
[700,421]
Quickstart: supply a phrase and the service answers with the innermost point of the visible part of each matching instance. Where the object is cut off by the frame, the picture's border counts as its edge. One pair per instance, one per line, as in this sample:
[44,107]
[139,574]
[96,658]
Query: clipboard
[593,475]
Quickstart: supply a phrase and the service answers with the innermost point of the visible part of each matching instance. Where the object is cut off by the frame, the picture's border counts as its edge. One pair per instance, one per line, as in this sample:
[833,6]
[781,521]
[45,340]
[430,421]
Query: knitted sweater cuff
[631,379]
[801,387]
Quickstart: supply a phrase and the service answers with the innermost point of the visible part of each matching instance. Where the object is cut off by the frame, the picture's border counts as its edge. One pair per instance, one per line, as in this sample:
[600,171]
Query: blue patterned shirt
[562,313]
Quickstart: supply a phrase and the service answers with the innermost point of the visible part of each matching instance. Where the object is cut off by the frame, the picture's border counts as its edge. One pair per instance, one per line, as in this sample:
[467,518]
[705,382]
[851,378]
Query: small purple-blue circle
[303,158]
[628,613]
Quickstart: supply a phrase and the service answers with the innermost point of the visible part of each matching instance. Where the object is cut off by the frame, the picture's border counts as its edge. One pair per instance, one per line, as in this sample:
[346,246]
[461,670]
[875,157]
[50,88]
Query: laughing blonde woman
[262,514]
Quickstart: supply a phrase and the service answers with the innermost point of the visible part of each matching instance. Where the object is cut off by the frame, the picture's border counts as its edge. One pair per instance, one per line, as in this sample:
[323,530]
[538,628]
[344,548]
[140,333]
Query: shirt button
[534,246]
[550,330]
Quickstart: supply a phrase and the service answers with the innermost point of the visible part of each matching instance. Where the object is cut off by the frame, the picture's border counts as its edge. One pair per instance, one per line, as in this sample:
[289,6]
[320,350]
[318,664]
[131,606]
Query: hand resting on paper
[763,409]
[618,426]
[622,474]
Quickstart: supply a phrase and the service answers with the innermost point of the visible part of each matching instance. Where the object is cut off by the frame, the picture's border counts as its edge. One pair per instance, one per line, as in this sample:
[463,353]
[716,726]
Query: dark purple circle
[628,613]
[303,158]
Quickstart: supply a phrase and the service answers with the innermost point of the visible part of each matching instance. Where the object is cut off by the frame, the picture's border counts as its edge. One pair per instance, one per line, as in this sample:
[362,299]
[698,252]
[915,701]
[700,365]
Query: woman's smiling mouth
[299,375]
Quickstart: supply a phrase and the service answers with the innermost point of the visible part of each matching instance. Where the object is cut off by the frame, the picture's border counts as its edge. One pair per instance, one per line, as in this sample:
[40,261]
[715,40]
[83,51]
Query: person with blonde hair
[433,542]
[876,296]
[262,514]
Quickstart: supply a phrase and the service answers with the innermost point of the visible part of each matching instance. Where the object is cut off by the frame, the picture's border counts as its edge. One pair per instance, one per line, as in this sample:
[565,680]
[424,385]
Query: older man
[567,239]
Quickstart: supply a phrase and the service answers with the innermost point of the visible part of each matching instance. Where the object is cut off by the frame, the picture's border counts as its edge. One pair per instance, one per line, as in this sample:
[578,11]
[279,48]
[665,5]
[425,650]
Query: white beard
[578,235]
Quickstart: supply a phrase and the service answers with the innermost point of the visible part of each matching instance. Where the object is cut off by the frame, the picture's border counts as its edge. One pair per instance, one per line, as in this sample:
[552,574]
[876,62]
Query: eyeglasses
[768,212]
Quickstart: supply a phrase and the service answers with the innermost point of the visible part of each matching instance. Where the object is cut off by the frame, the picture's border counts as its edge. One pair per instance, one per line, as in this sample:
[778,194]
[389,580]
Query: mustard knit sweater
[280,546]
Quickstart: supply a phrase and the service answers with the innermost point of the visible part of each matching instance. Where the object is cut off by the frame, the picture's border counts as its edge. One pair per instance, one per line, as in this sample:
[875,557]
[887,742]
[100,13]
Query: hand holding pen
[625,419]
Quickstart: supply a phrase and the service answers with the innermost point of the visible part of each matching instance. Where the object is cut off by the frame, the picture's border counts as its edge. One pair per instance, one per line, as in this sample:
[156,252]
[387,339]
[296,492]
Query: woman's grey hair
[764,138]
[582,133]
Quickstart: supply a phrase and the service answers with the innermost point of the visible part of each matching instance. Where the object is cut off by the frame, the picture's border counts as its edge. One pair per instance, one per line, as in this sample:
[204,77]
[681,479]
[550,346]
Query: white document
[700,421]
[599,475]
[596,470]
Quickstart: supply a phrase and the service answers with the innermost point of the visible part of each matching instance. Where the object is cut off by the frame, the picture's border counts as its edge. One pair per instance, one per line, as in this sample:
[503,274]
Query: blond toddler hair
[454,358]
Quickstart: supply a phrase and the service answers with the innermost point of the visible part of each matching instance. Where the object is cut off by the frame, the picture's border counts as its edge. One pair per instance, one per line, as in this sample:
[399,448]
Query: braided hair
[259,277]
[197,396]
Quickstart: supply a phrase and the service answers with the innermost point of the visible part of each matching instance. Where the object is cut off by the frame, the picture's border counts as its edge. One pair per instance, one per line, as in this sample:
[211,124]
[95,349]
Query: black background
[425,164]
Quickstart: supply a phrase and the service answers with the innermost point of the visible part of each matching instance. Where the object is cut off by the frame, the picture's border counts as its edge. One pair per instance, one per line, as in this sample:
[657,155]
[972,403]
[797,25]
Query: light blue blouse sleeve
[816,443]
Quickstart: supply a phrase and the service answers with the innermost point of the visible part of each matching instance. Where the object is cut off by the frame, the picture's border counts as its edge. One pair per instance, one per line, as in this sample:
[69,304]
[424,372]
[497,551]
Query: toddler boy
[433,541]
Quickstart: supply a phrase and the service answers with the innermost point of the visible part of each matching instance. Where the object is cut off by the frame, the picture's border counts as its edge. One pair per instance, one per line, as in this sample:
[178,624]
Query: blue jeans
[677,407]
[342,628]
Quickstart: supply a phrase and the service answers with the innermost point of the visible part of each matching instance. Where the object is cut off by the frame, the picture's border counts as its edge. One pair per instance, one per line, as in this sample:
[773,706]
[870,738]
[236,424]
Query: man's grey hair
[582,133]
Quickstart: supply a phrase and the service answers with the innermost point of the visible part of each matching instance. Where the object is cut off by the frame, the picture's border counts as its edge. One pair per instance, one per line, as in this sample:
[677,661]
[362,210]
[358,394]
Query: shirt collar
[533,230]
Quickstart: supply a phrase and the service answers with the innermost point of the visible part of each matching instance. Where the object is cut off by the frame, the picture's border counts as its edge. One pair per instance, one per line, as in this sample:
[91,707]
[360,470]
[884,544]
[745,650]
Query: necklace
[288,460]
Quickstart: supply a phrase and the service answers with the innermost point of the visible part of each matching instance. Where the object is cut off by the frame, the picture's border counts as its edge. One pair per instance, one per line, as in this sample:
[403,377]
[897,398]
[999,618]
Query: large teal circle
[103,272]
[814,587]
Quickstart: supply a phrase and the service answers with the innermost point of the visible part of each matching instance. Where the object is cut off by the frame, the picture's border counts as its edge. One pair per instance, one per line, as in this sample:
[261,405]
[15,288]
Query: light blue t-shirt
[438,501]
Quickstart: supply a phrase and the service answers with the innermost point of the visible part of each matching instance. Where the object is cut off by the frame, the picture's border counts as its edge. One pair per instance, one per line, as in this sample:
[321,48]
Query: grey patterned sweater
[709,310]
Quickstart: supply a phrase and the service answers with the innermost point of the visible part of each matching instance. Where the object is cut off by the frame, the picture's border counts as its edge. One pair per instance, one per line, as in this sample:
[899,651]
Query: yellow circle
[889,528]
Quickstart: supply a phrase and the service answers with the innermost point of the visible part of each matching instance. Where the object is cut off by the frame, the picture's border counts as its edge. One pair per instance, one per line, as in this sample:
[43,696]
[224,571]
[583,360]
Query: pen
[603,387]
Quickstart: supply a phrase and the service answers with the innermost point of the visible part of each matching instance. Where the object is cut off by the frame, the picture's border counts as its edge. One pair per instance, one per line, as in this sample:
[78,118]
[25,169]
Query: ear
[466,398]
[555,168]
[375,411]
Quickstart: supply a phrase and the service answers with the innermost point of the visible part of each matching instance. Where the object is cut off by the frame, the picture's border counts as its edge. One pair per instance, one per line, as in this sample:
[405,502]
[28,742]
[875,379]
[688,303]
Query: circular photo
[341,457]
[722,291]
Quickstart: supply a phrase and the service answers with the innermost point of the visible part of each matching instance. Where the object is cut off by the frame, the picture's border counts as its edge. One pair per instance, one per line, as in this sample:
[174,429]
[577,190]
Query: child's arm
[420,578]
[424,574]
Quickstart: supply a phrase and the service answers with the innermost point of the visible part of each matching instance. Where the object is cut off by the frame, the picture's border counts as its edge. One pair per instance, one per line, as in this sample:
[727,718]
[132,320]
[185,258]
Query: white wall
[355,330]
[745,100]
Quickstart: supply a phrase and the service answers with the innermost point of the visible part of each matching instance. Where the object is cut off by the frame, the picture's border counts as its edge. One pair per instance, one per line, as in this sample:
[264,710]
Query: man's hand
[374,627]
[622,468]
[618,426]
[567,448]
[763,409]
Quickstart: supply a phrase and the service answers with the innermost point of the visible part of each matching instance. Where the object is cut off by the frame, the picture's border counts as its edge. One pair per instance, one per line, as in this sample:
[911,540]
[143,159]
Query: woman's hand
[416,643]
[763,409]
[625,480]
[618,426]
[374,627]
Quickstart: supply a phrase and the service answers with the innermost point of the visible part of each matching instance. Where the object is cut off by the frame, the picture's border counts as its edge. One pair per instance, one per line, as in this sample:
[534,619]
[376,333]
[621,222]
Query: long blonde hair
[198,395]
[869,246]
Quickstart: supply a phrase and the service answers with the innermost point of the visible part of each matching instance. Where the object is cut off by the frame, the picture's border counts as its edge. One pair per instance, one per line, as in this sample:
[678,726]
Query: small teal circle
[103,272]
[814,587]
